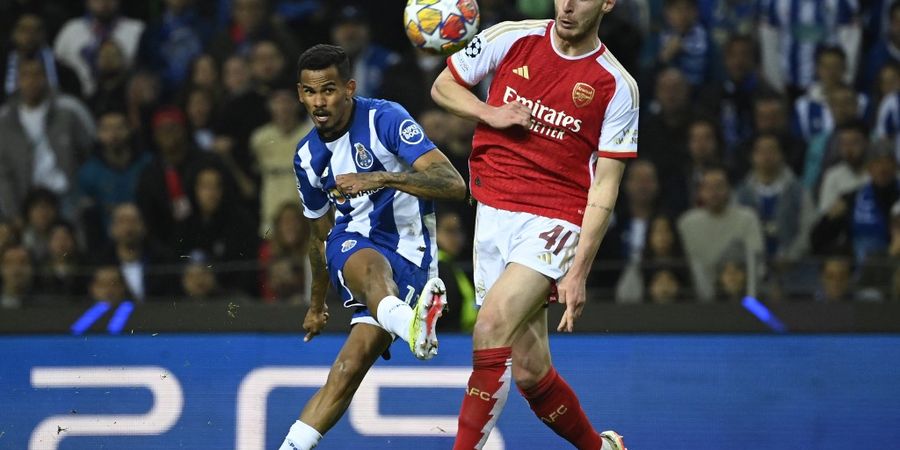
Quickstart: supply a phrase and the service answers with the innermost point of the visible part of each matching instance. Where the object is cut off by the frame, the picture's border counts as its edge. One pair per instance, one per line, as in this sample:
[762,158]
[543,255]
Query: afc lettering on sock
[555,414]
[475,392]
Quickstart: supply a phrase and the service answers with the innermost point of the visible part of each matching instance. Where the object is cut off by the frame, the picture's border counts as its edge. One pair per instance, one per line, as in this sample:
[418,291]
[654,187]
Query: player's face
[328,99]
[579,19]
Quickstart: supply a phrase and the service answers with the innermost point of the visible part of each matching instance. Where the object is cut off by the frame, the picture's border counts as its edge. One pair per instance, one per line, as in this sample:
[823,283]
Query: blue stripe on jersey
[381,137]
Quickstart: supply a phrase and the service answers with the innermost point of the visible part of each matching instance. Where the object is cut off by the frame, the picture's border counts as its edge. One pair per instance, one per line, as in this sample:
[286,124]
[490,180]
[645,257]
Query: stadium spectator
[405,82]
[731,276]
[859,221]
[80,39]
[664,129]
[200,110]
[250,24]
[272,145]
[112,79]
[60,277]
[144,263]
[704,151]
[204,75]
[110,176]
[45,136]
[835,283]
[370,61]
[164,186]
[172,41]
[219,231]
[880,271]
[143,99]
[664,286]
[708,231]
[198,283]
[730,100]
[663,253]
[843,103]
[40,212]
[29,41]
[885,50]
[16,278]
[287,239]
[852,141]
[268,68]
[451,240]
[684,42]
[108,285]
[770,116]
[620,254]
[783,206]
[287,282]
[788,56]
[812,115]
[10,234]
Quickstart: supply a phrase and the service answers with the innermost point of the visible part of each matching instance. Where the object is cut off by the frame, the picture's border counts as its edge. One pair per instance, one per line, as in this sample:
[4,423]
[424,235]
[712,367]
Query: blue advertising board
[716,392]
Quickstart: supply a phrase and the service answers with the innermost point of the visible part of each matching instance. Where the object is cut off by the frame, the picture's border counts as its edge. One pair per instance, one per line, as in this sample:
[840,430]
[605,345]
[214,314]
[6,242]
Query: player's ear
[607,6]
[351,87]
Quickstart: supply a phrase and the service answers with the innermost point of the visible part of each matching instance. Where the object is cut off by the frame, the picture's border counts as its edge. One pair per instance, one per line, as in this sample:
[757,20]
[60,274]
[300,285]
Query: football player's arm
[433,177]
[317,315]
[602,195]
[455,97]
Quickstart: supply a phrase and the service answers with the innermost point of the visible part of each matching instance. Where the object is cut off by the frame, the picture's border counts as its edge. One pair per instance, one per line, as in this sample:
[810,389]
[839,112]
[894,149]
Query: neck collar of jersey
[562,55]
[342,131]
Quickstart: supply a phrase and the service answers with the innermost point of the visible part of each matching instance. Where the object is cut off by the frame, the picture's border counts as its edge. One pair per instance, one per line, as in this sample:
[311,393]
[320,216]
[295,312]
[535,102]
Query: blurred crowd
[146,147]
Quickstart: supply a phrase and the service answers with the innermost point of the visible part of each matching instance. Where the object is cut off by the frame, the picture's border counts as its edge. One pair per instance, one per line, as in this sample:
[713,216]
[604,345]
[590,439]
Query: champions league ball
[441,26]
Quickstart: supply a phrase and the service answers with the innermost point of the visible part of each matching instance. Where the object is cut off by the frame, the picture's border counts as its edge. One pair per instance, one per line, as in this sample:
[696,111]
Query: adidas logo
[522,72]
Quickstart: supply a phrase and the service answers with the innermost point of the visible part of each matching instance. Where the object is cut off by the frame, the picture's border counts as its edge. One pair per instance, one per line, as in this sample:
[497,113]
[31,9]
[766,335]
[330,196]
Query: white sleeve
[619,132]
[471,64]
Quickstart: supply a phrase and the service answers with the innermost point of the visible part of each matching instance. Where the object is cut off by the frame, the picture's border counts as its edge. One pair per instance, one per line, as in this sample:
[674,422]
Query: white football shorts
[540,243]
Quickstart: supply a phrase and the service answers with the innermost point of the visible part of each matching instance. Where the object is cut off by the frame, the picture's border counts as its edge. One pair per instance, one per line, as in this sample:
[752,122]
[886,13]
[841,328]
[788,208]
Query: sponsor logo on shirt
[339,199]
[411,132]
[362,156]
[546,120]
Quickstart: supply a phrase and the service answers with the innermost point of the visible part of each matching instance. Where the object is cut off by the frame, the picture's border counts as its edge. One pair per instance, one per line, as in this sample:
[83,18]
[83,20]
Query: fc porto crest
[363,158]
[582,94]
[347,245]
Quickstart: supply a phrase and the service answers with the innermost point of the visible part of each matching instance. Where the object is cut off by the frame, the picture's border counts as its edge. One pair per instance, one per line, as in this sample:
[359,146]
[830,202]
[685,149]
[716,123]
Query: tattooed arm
[317,315]
[597,213]
[433,178]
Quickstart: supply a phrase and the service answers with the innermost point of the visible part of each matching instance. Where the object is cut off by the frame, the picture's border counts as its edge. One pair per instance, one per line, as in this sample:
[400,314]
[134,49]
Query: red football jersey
[582,108]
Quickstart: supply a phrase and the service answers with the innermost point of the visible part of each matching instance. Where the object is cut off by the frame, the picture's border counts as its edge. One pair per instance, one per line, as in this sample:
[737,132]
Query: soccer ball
[441,26]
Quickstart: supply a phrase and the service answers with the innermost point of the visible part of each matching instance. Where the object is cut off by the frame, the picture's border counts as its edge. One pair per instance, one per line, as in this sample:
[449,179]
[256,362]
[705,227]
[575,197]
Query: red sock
[485,396]
[554,402]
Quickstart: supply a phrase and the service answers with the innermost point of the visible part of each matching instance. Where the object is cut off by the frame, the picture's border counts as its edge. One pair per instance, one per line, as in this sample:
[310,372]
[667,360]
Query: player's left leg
[548,394]
[363,347]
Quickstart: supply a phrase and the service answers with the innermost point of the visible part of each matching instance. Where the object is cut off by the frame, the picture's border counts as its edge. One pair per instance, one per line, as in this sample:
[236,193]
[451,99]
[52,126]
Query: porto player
[363,174]
[546,162]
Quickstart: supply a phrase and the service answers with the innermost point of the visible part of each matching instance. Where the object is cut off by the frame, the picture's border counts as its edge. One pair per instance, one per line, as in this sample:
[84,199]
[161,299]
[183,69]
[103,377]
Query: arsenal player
[547,159]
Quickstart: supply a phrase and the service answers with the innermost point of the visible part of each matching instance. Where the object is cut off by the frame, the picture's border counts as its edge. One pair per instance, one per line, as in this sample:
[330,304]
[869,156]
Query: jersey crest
[362,157]
[582,94]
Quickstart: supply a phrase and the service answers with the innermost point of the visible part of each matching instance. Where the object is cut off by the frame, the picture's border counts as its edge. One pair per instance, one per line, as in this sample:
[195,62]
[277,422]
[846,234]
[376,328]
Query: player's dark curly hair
[323,56]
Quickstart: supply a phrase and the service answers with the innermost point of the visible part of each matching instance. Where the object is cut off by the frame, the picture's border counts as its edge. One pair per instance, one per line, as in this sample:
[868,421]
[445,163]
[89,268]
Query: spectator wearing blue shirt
[110,176]
[369,61]
[886,50]
[684,42]
[171,43]
[812,115]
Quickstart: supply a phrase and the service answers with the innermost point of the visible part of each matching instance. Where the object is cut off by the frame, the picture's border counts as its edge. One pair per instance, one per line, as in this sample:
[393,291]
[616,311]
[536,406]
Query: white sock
[395,315]
[301,437]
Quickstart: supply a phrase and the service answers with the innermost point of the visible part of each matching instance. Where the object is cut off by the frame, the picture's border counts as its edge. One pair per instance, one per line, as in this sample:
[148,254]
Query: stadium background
[776,331]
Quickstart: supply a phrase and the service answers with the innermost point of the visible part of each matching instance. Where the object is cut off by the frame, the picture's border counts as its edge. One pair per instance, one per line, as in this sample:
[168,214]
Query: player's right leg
[363,347]
[369,275]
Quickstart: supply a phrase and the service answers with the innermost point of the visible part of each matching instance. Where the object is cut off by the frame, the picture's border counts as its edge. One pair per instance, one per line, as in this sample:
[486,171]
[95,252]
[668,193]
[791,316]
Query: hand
[670,49]
[838,209]
[351,184]
[571,292]
[315,321]
[508,115]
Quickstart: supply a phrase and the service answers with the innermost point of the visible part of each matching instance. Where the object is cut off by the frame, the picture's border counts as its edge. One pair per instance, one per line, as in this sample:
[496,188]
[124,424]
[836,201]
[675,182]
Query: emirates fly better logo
[546,121]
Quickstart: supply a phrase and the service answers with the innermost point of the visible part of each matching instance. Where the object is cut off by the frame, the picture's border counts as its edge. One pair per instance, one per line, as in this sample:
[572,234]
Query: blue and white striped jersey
[887,124]
[382,137]
[804,25]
